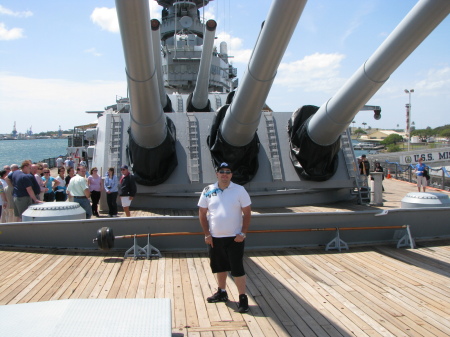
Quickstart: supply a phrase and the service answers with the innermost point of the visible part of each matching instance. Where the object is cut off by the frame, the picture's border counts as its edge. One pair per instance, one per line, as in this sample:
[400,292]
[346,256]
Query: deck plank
[390,308]
[367,291]
[306,323]
[27,277]
[54,280]
[22,263]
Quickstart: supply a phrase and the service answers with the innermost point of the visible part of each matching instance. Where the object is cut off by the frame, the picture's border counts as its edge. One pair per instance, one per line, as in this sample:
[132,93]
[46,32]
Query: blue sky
[61,58]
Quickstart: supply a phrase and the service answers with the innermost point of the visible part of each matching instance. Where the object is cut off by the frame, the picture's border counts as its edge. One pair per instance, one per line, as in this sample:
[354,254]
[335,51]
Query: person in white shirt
[224,213]
[79,189]
[59,162]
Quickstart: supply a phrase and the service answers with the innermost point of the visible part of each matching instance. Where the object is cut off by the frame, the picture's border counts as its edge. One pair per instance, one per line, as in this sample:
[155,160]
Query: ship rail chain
[105,238]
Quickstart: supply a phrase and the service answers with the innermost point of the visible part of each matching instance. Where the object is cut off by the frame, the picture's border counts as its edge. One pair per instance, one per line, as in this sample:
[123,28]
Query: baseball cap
[124,167]
[223,165]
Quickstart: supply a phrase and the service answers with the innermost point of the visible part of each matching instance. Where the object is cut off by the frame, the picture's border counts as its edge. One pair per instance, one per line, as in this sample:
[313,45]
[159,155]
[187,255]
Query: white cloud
[107,19]
[436,83]
[314,73]
[93,51]
[210,14]
[6,11]
[155,10]
[235,49]
[10,34]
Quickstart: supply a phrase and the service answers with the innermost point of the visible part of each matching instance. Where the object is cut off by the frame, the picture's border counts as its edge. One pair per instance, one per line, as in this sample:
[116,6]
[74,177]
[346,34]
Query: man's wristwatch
[243,235]
[207,236]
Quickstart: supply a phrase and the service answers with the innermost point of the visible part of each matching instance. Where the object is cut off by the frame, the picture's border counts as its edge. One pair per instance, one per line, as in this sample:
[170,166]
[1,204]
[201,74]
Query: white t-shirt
[62,182]
[224,208]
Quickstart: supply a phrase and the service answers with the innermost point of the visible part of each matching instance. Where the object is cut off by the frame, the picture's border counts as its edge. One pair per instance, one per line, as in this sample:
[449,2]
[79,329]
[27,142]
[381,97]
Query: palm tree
[364,123]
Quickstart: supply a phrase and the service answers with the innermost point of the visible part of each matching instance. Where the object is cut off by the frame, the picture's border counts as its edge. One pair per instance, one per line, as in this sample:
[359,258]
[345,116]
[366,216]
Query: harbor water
[358,153]
[16,151]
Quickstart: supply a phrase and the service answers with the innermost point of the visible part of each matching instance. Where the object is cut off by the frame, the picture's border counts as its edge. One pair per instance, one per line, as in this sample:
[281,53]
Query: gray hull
[79,234]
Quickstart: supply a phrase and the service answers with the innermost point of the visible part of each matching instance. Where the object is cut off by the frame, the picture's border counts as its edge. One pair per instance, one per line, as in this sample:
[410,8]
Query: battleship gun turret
[315,132]
[151,147]
[198,101]
[175,154]
[233,135]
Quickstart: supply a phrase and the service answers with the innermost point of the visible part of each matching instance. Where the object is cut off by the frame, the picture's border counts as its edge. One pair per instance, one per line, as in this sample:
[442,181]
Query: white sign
[428,157]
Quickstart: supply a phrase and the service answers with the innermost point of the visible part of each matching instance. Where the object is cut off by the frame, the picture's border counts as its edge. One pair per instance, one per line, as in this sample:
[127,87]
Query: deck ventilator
[406,240]
[137,251]
[337,243]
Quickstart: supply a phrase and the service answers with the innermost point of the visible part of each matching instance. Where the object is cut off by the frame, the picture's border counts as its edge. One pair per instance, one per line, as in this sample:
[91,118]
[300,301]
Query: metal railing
[439,177]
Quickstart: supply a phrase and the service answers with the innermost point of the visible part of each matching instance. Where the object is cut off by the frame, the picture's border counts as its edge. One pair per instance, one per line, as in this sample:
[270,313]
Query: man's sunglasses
[224,172]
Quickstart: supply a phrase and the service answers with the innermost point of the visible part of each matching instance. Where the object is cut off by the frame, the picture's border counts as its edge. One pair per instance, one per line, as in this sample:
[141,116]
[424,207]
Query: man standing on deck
[79,189]
[364,166]
[59,162]
[68,163]
[221,207]
[24,186]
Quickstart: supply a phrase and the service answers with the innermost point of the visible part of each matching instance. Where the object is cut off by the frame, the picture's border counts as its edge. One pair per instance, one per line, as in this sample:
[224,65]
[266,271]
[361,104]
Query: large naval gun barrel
[152,135]
[315,132]
[233,136]
[199,101]
[166,103]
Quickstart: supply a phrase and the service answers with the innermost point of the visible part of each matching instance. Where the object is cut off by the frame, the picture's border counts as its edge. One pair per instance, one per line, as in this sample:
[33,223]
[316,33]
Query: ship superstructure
[182,34]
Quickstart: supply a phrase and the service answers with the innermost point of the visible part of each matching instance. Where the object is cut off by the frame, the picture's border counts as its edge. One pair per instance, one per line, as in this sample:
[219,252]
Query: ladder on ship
[115,142]
[218,102]
[274,152]
[352,169]
[180,103]
[193,149]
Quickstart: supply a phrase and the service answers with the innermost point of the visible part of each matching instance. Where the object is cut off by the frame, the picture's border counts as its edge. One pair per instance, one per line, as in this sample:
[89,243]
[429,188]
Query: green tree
[358,132]
[445,133]
[393,148]
[392,139]
[423,133]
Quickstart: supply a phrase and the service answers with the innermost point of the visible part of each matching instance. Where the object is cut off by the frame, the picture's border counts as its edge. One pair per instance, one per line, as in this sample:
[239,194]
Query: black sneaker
[243,303]
[219,296]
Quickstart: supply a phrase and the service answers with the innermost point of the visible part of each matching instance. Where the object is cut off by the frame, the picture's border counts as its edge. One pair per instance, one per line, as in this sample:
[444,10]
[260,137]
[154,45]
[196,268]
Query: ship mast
[182,39]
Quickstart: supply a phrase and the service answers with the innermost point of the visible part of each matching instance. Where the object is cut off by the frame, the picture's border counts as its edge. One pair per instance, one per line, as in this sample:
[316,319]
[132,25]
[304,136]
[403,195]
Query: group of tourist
[19,190]
[420,169]
[33,183]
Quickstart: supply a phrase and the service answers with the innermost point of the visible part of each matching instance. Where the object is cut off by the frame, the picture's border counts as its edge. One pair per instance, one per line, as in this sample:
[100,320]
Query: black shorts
[227,255]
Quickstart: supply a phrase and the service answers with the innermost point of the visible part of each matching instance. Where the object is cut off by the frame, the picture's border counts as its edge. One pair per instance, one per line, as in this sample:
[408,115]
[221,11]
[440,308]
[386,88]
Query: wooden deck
[368,291]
